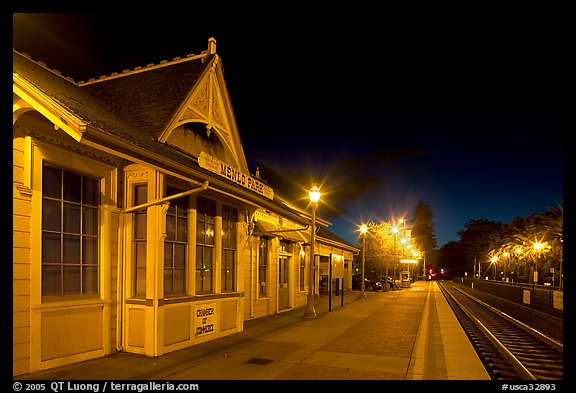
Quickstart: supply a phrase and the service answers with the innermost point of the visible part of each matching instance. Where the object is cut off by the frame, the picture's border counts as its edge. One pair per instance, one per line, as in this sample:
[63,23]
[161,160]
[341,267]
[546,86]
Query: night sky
[381,111]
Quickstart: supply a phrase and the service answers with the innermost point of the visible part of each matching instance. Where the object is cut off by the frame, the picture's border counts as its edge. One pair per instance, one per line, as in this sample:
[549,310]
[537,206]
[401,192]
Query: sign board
[536,276]
[205,319]
[558,300]
[337,265]
[408,261]
[222,169]
[526,296]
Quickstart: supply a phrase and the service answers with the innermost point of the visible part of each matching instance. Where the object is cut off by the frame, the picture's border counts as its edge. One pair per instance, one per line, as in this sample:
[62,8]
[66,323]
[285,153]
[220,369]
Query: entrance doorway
[283,283]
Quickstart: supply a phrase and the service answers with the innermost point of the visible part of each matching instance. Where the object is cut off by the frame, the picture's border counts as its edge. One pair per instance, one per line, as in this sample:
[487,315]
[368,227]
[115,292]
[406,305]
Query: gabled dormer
[183,104]
[205,120]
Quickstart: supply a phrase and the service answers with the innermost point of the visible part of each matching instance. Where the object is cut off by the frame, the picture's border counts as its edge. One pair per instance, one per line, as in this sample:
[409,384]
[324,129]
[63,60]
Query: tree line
[529,249]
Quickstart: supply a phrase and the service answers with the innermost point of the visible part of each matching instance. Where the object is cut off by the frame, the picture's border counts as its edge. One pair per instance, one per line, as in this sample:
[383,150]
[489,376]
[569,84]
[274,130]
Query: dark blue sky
[467,115]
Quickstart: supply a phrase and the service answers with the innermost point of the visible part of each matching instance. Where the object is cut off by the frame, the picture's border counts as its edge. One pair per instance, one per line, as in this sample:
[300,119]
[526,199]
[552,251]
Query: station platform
[407,334]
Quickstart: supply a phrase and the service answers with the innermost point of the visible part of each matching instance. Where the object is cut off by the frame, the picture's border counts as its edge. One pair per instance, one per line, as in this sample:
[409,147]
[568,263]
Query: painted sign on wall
[205,319]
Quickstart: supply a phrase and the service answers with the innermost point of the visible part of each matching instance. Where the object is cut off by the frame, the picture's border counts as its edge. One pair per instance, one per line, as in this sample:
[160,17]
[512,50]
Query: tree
[423,230]
[380,253]
[512,251]
[476,240]
[452,254]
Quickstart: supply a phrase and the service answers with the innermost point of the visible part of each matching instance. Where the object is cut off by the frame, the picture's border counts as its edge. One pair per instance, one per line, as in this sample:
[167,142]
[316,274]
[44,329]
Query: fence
[538,297]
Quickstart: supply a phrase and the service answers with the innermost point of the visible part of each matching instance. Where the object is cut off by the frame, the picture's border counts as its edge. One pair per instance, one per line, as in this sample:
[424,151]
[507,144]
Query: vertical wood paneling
[69,332]
[136,327]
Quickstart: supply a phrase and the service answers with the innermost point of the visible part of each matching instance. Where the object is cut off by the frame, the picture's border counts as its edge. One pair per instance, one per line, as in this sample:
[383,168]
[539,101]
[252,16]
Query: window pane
[207,207]
[199,258]
[228,270]
[89,279]
[207,282]
[199,281]
[232,238]
[200,232]
[71,218]
[182,232]
[170,228]
[89,250]
[179,255]
[51,251]
[72,187]
[71,280]
[168,288]
[140,225]
[140,194]
[179,281]
[168,257]
[90,191]
[225,237]
[140,282]
[51,280]
[89,221]
[140,254]
[71,249]
[51,215]
[203,269]
[207,258]
[51,182]
[209,234]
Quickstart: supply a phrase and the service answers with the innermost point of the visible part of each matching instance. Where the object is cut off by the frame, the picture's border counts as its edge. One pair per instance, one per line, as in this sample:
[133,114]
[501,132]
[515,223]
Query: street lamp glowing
[363,230]
[537,246]
[310,312]
[314,194]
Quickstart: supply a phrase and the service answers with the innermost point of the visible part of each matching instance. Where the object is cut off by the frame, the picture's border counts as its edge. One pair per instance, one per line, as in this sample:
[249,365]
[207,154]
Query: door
[283,283]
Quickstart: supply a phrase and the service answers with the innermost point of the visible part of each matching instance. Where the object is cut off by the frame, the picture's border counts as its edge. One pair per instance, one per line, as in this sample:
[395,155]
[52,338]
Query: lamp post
[396,258]
[310,312]
[363,230]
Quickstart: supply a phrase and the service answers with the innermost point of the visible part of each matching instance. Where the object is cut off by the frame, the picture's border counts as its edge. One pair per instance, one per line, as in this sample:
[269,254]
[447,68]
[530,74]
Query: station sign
[222,169]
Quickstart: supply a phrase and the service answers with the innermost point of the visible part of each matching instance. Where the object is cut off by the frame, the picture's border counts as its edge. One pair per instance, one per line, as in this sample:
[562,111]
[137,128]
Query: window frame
[178,218]
[231,229]
[264,244]
[204,247]
[78,163]
[138,241]
[67,230]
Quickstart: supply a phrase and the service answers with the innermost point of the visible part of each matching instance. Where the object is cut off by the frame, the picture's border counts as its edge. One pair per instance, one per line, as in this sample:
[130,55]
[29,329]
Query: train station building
[137,224]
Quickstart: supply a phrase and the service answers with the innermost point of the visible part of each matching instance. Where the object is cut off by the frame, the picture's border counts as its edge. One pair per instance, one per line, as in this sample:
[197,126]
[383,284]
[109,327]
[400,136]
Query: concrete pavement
[397,335]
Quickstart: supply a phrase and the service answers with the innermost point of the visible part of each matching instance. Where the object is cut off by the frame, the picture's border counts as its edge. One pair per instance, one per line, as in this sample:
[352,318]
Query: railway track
[508,348]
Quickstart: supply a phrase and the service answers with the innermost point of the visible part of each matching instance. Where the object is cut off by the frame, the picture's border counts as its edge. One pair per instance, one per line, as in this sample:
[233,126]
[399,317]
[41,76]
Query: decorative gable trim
[208,103]
[48,107]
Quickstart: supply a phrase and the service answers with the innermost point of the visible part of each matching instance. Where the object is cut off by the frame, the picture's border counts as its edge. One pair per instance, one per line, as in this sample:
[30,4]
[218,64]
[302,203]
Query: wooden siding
[20,263]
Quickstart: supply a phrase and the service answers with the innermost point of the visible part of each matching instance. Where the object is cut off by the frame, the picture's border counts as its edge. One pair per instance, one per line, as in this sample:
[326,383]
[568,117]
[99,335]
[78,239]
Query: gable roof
[103,123]
[325,234]
[148,98]
[90,110]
